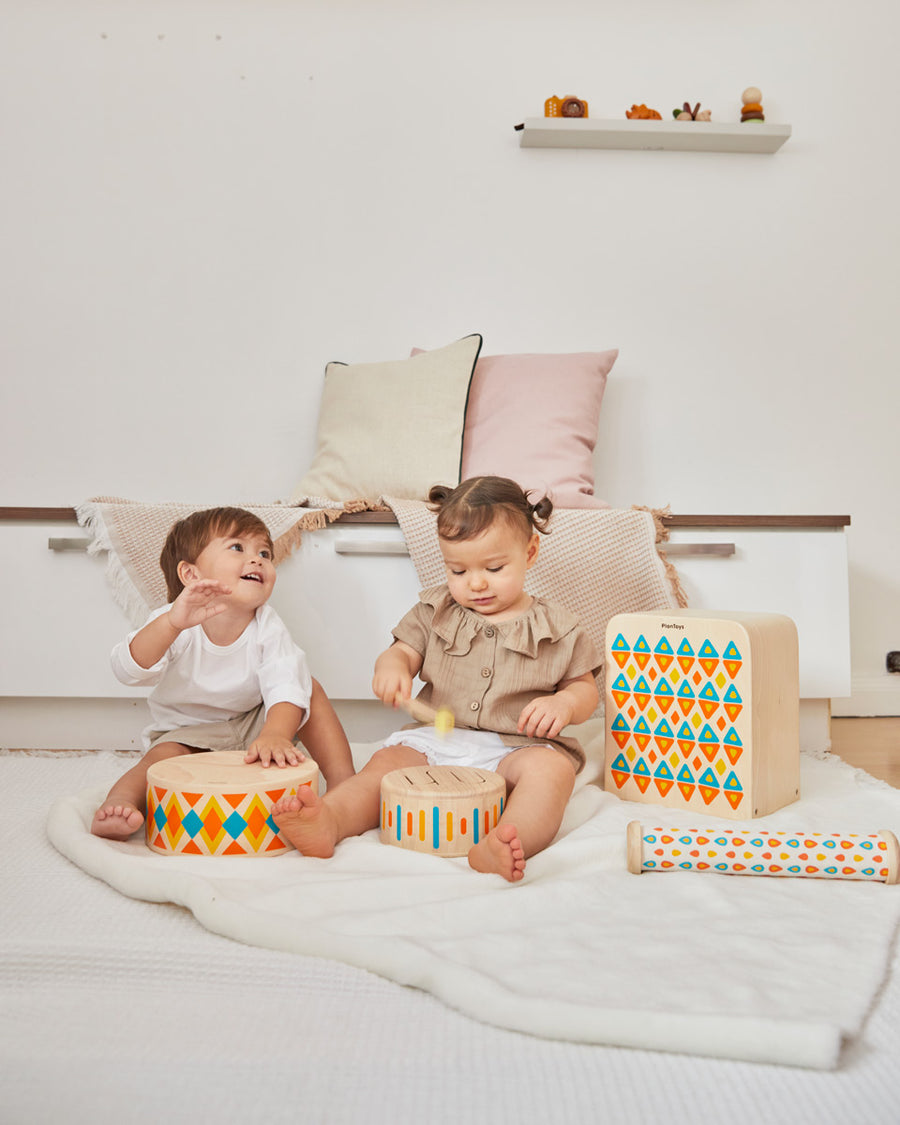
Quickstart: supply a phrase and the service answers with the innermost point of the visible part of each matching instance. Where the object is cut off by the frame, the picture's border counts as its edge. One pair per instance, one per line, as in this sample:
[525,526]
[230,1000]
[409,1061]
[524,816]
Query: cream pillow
[392,428]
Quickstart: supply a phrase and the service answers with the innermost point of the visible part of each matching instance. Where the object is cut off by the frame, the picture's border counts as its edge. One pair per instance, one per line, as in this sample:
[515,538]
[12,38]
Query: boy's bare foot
[500,853]
[307,823]
[116,821]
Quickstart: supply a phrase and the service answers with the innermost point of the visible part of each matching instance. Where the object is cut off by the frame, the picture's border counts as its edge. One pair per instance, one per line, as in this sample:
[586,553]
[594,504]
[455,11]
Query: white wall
[204,202]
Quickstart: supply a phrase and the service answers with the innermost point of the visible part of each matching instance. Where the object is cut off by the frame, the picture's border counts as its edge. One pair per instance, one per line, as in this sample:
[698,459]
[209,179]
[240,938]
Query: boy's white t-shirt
[197,681]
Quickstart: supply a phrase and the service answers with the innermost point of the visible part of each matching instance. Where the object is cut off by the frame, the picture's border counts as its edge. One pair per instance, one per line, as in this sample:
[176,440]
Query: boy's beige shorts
[228,734]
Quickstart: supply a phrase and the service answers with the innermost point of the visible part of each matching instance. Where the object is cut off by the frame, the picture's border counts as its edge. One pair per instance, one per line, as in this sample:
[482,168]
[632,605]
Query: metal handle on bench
[719,550]
[370,547]
[64,544]
[395,547]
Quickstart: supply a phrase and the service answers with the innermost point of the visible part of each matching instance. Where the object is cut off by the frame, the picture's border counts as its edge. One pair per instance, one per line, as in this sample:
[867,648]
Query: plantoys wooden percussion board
[214,803]
[703,712]
[444,810]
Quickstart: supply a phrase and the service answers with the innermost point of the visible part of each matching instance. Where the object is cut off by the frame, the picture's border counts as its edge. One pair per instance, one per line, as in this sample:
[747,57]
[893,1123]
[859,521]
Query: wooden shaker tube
[873,857]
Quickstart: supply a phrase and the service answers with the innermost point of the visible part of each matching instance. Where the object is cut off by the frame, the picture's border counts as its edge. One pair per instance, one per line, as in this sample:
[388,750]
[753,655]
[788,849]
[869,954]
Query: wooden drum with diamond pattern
[214,803]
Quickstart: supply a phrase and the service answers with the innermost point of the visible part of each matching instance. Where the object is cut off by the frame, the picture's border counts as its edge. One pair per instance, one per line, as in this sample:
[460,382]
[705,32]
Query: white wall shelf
[686,136]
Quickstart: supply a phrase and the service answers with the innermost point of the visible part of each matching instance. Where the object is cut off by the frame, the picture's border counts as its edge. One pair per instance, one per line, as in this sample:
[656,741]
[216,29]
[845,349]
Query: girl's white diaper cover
[482,749]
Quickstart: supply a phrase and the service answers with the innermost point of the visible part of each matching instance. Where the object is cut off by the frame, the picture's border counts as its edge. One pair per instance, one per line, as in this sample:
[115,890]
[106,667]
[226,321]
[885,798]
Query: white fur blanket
[759,969]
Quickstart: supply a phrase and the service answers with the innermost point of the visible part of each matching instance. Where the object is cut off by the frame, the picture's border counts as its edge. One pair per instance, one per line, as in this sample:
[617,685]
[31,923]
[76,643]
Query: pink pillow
[534,418]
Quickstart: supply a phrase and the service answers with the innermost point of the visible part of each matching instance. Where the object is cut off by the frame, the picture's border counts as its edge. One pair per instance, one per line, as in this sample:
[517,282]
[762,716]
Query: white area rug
[759,969]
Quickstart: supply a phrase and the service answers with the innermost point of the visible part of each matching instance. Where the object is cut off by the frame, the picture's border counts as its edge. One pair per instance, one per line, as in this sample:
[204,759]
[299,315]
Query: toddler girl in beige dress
[514,670]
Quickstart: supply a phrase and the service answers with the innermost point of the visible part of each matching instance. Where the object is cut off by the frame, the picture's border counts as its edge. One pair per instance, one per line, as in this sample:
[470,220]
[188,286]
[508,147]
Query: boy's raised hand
[197,602]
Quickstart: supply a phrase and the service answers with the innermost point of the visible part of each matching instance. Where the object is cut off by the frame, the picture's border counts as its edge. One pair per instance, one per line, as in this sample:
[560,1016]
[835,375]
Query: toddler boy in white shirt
[225,673]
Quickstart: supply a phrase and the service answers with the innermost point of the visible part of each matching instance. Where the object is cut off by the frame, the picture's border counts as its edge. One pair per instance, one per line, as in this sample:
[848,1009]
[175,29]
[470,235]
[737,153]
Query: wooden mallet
[440,717]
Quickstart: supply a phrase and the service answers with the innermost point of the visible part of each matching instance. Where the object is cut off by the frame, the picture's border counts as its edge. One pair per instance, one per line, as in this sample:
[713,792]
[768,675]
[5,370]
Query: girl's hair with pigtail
[471,507]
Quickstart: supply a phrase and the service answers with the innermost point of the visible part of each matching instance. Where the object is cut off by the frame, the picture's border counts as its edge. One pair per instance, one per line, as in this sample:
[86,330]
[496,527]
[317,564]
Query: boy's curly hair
[188,537]
[471,507]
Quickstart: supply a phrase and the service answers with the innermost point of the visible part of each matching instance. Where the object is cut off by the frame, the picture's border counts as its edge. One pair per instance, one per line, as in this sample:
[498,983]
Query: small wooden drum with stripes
[444,810]
[214,803]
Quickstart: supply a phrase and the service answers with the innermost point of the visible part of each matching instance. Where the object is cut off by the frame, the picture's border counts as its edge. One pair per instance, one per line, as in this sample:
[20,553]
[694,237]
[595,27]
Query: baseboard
[872,695]
[815,726]
[49,723]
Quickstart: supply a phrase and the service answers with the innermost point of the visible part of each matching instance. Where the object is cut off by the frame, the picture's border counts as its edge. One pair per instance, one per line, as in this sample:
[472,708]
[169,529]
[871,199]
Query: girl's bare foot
[116,820]
[307,823]
[500,853]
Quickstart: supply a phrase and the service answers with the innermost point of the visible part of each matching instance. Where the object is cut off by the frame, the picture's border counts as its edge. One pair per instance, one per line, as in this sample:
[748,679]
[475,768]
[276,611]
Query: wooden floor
[870,744]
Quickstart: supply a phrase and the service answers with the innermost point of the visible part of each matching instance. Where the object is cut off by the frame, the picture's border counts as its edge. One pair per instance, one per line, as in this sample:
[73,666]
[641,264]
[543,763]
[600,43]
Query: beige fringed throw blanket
[133,534]
[597,562]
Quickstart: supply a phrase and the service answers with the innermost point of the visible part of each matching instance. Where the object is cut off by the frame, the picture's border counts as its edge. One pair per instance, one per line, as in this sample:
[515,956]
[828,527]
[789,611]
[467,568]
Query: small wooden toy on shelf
[565,107]
[688,114]
[642,113]
[751,107]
